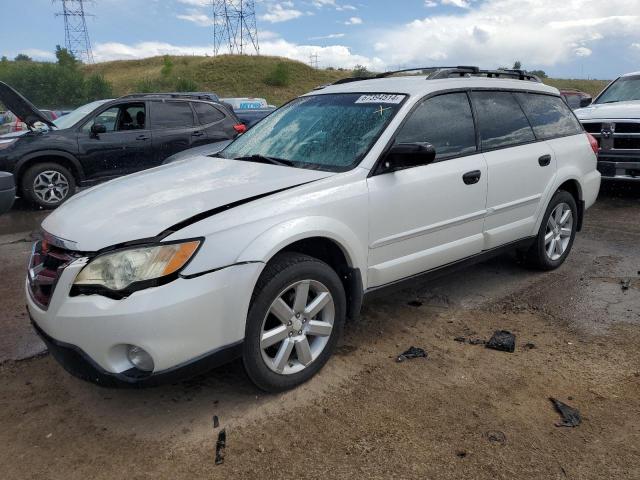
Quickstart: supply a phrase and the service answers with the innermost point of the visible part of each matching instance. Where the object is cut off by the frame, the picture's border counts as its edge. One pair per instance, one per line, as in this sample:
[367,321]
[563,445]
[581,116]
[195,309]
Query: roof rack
[212,97]
[434,73]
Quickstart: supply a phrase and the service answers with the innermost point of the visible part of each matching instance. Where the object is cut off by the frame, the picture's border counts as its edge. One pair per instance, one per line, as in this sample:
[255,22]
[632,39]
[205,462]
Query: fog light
[140,358]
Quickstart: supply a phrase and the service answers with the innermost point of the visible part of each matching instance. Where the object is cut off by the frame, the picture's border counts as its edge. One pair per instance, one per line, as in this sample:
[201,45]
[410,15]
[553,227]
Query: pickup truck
[614,120]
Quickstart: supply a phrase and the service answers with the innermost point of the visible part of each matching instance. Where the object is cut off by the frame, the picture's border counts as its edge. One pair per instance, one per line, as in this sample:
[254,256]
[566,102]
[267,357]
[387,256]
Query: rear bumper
[619,165]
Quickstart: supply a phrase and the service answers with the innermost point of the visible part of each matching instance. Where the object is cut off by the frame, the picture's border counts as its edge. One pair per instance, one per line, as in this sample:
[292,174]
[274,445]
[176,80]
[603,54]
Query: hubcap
[297,327]
[51,186]
[558,232]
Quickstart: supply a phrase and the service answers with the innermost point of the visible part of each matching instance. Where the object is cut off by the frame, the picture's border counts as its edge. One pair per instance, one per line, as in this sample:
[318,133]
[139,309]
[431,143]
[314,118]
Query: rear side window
[171,115]
[549,116]
[444,121]
[501,120]
[207,113]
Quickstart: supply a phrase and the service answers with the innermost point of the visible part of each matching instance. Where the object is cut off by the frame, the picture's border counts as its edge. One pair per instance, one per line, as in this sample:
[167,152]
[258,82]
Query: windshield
[622,90]
[327,132]
[70,119]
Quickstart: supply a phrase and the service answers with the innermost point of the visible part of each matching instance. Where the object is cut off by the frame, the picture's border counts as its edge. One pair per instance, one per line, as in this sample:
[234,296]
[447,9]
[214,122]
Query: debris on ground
[216,422]
[496,436]
[529,346]
[412,352]
[460,339]
[624,284]
[477,341]
[570,416]
[502,340]
[220,446]
[415,303]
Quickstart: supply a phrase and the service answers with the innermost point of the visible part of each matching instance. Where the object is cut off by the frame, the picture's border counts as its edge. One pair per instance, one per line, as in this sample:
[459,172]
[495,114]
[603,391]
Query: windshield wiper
[264,159]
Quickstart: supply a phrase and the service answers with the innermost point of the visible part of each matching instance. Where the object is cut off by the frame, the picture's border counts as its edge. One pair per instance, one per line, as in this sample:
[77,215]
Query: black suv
[105,139]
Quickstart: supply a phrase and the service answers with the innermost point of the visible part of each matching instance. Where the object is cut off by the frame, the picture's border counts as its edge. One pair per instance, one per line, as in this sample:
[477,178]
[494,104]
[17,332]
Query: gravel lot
[464,412]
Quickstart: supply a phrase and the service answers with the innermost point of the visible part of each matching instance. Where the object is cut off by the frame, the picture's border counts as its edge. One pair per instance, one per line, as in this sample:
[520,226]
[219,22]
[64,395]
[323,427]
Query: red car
[575,98]
[10,123]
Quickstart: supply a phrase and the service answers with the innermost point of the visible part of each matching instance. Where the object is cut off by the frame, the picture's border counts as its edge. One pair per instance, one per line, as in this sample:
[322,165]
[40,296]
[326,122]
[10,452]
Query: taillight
[240,128]
[594,143]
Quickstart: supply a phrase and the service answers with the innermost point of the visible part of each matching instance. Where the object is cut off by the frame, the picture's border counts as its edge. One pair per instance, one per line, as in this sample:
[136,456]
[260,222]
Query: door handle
[472,177]
[544,160]
[197,133]
[142,137]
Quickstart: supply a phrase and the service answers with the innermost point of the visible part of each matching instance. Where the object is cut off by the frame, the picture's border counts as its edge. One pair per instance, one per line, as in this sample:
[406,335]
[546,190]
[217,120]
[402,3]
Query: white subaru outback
[265,249]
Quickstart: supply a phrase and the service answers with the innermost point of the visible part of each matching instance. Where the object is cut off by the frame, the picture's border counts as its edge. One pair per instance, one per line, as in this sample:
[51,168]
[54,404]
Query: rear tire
[47,184]
[296,316]
[557,232]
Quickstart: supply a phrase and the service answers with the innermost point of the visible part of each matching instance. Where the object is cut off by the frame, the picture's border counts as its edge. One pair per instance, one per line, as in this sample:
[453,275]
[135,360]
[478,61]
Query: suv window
[129,116]
[207,113]
[444,121]
[501,120]
[549,116]
[171,115]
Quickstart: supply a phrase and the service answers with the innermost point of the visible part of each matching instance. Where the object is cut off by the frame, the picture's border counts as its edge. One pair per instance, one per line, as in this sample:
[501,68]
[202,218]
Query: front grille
[623,127]
[45,267]
[626,143]
[615,135]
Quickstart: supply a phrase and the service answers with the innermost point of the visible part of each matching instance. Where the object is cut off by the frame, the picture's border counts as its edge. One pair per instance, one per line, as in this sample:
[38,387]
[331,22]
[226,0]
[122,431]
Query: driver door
[124,148]
[427,216]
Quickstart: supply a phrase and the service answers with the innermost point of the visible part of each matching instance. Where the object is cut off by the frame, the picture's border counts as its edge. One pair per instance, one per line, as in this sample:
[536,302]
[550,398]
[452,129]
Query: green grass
[275,78]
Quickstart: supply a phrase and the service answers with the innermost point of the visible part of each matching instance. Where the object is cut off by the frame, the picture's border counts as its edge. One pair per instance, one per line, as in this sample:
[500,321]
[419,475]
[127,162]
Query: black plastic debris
[502,340]
[220,446]
[460,339]
[216,422]
[415,303]
[412,352]
[570,416]
[624,284]
[477,341]
[496,436]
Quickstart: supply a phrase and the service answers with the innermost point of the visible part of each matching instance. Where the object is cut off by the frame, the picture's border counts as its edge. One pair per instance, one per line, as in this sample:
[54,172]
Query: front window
[622,90]
[326,132]
[70,119]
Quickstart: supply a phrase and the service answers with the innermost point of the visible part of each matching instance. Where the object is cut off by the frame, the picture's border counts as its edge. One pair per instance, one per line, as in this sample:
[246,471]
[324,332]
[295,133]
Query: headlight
[119,270]
[5,143]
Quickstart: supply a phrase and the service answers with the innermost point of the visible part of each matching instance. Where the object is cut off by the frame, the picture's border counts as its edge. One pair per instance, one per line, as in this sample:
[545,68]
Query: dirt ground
[463,412]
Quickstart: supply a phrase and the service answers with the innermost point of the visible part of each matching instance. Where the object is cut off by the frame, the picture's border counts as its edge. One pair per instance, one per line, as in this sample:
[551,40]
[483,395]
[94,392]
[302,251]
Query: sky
[566,38]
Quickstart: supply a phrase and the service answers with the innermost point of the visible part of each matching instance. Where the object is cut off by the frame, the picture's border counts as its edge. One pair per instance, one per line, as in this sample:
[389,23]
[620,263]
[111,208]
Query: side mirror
[407,155]
[97,129]
[585,101]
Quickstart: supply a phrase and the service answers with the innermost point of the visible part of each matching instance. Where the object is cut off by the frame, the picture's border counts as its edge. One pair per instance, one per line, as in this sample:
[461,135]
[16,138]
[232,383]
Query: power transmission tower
[76,35]
[234,27]
[313,60]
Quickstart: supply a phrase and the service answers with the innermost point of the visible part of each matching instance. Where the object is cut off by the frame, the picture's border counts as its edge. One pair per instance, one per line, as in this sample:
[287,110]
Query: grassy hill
[239,76]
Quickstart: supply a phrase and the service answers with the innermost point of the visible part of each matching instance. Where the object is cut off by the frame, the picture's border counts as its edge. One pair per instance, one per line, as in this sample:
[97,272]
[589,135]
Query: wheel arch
[572,186]
[63,158]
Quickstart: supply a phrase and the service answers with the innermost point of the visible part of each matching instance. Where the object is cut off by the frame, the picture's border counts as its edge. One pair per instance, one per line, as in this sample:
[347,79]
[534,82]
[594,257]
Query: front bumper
[187,326]
[619,165]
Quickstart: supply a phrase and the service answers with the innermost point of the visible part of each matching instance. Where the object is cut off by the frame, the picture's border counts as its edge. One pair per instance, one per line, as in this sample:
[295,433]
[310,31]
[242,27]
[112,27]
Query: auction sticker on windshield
[380,98]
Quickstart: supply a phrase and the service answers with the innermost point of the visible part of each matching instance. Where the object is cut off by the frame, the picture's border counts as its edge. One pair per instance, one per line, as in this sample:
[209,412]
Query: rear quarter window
[549,116]
[502,122]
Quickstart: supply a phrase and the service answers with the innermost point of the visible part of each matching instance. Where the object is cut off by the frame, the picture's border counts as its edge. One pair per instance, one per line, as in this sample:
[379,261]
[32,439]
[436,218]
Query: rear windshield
[328,132]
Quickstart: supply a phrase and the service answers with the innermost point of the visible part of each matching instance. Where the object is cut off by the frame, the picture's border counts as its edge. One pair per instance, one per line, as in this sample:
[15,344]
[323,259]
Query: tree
[167,66]
[21,57]
[517,65]
[97,88]
[539,73]
[360,71]
[279,76]
[65,58]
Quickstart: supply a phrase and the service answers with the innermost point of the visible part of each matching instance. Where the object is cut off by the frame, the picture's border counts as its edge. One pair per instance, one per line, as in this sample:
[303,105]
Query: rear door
[520,167]
[174,128]
[216,124]
[426,216]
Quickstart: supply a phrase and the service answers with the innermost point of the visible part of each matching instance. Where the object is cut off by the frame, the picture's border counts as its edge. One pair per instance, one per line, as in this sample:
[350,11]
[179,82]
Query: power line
[234,27]
[76,35]
[313,60]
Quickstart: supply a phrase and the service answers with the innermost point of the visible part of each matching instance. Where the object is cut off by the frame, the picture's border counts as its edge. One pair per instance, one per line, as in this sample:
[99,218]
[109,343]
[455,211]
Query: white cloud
[430,3]
[457,3]
[636,46]
[334,55]
[583,51]
[354,21]
[497,32]
[281,12]
[328,37]
[36,54]
[197,17]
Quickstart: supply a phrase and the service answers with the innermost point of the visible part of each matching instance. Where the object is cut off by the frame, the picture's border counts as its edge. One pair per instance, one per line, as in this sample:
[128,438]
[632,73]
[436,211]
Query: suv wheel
[47,184]
[557,232]
[296,316]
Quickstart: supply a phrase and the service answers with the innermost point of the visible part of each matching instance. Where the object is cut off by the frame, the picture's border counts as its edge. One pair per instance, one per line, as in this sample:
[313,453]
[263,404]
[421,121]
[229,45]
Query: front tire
[296,316]
[557,232]
[47,184]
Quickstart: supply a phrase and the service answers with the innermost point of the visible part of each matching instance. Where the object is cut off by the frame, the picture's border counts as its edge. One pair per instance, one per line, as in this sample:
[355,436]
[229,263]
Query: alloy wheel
[297,327]
[558,232]
[51,186]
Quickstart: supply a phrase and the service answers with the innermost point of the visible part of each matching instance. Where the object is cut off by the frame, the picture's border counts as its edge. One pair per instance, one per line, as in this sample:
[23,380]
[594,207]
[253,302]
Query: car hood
[208,149]
[21,107]
[616,110]
[145,204]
